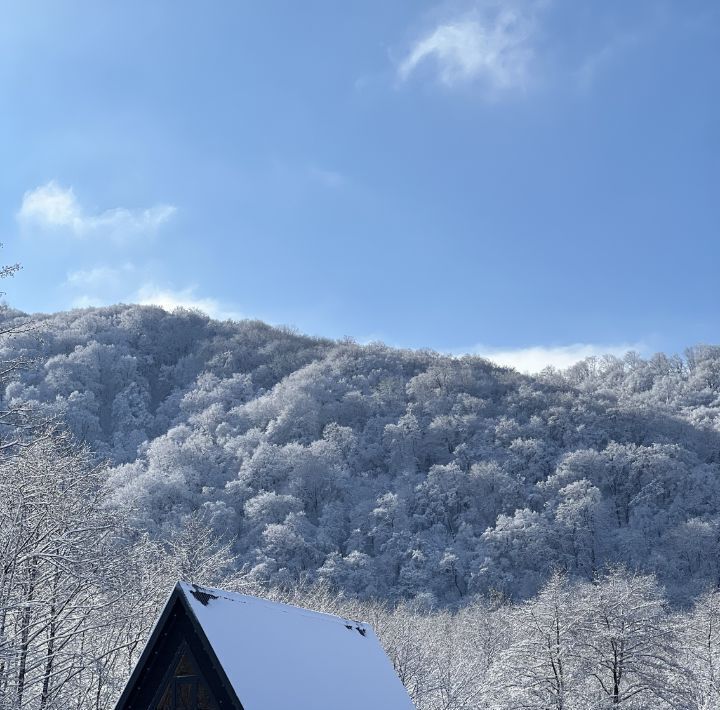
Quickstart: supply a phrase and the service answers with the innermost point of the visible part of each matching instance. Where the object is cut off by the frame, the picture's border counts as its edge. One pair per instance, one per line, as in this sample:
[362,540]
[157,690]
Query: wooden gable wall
[162,679]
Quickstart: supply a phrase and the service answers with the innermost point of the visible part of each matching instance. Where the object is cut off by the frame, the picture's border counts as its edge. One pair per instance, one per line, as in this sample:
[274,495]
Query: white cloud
[536,358]
[494,49]
[53,207]
[153,295]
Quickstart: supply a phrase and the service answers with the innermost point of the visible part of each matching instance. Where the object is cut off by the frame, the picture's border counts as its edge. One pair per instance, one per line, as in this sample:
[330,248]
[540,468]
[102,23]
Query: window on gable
[186,689]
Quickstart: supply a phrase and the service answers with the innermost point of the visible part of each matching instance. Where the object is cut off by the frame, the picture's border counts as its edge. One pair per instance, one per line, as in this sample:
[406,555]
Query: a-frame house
[217,650]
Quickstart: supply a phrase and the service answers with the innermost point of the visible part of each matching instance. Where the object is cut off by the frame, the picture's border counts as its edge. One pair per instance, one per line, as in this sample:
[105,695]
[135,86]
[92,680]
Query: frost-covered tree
[539,670]
[700,634]
[627,647]
[58,558]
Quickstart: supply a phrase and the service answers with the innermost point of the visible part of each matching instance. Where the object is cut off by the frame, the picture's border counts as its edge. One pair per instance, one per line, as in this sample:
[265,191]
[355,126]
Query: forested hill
[389,472]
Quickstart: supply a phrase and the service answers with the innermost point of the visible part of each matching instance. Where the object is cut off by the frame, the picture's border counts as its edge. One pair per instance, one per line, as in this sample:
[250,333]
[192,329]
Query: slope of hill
[389,472]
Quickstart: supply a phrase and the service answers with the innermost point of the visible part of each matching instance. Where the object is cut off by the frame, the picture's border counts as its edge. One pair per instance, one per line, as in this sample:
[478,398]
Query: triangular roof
[265,655]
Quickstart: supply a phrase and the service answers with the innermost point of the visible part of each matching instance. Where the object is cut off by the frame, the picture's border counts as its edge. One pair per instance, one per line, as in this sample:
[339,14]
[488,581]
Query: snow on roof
[281,656]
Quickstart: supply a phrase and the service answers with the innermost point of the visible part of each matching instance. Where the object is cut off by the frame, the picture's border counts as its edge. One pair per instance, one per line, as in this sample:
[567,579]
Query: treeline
[80,588]
[386,473]
[610,643]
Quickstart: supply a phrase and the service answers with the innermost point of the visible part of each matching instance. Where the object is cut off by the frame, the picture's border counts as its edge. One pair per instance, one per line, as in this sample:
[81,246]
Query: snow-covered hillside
[389,473]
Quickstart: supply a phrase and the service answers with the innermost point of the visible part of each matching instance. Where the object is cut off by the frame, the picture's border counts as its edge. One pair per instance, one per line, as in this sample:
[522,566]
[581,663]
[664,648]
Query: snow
[280,656]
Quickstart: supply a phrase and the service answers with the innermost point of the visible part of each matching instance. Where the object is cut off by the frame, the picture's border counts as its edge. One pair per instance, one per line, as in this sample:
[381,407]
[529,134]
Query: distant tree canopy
[382,472]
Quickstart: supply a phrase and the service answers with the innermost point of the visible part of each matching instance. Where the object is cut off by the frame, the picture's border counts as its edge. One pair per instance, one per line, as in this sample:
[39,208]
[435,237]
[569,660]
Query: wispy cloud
[600,60]
[104,277]
[52,207]
[87,300]
[327,178]
[103,285]
[153,295]
[491,47]
[536,358]
[296,180]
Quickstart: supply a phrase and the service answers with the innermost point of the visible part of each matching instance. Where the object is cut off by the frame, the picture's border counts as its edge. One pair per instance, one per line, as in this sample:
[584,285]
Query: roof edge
[239,597]
[160,622]
[205,642]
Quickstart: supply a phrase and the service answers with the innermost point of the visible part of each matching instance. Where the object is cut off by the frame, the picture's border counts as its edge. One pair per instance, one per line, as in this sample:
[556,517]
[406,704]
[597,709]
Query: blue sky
[530,180]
